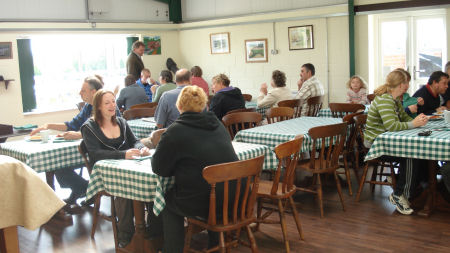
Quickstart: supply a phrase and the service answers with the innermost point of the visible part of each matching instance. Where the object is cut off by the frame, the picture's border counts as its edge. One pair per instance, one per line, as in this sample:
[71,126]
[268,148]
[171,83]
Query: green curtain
[26,68]
[174,10]
[130,41]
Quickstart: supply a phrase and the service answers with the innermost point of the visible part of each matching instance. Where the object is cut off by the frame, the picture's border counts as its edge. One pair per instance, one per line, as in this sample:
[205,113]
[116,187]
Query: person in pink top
[197,79]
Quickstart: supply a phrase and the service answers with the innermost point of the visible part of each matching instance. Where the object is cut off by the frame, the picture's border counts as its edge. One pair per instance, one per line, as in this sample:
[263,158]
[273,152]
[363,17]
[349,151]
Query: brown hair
[279,78]
[192,99]
[97,114]
[129,80]
[361,80]
[393,79]
[223,79]
[196,71]
[138,44]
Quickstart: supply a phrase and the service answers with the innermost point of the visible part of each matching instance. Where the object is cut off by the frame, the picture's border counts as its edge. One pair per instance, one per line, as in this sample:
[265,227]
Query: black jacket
[192,142]
[101,147]
[226,101]
[430,102]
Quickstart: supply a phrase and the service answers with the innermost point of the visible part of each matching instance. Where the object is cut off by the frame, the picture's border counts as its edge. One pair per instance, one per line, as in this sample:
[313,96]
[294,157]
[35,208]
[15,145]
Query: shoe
[401,204]
[88,202]
[72,199]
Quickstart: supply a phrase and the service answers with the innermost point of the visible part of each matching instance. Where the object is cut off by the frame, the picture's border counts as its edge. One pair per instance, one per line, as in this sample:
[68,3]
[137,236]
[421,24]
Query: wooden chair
[378,164]
[324,159]
[339,110]
[242,110]
[296,104]
[96,214]
[144,105]
[231,219]
[314,106]
[370,97]
[247,97]
[277,114]
[279,192]
[241,120]
[139,113]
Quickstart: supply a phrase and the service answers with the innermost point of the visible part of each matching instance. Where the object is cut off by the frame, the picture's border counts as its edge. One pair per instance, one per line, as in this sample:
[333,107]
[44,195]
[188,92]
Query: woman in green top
[387,114]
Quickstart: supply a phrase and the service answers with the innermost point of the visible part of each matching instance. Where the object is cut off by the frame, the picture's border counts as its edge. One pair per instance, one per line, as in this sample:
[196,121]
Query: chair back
[339,110]
[155,136]
[351,127]
[144,105]
[277,114]
[314,105]
[248,170]
[325,158]
[242,110]
[241,120]
[84,153]
[287,154]
[247,97]
[296,104]
[370,97]
[139,113]
[360,125]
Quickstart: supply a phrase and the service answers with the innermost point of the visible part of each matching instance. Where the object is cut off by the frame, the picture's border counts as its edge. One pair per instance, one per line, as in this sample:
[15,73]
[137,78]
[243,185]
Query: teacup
[44,135]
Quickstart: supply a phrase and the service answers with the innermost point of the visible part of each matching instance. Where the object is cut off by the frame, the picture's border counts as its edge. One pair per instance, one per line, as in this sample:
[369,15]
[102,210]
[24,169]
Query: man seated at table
[446,96]
[131,95]
[226,97]
[67,177]
[308,85]
[166,111]
[436,86]
[146,82]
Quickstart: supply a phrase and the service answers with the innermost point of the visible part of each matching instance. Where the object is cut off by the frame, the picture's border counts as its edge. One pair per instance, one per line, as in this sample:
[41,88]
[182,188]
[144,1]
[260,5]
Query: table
[277,133]
[142,128]
[408,144]
[327,112]
[252,104]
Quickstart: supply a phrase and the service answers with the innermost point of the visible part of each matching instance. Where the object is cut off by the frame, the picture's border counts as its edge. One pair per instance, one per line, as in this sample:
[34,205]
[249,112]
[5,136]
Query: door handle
[417,71]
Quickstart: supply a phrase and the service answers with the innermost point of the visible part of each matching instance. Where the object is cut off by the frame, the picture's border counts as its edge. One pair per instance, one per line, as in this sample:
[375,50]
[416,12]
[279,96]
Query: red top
[200,82]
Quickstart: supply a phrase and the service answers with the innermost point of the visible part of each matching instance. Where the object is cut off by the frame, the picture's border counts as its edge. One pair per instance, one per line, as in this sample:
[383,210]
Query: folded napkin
[25,127]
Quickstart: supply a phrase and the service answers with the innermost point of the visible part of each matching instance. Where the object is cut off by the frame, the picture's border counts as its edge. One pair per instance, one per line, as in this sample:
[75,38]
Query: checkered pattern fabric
[326,113]
[409,145]
[252,104]
[277,133]
[142,128]
[44,157]
[135,180]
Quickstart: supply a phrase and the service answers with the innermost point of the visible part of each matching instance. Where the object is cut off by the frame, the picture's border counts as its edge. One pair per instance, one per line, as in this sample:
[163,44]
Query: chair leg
[362,181]
[221,242]
[258,213]
[356,166]
[319,195]
[114,222]
[95,214]
[338,184]
[187,239]
[251,239]
[296,218]
[394,180]
[347,175]
[283,225]
[374,177]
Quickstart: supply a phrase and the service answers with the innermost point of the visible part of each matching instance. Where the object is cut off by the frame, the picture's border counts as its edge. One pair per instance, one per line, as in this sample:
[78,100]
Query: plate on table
[438,113]
[435,117]
[33,138]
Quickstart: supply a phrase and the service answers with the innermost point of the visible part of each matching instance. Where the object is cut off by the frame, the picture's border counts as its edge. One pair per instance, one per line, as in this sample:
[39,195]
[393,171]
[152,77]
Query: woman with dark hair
[197,79]
[109,137]
[278,93]
[166,81]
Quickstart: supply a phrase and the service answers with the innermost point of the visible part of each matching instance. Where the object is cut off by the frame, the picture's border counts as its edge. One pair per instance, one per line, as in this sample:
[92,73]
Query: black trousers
[68,178]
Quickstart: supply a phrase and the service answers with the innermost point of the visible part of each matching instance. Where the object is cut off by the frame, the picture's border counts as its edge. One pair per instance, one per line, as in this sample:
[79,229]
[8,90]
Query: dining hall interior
[48,48]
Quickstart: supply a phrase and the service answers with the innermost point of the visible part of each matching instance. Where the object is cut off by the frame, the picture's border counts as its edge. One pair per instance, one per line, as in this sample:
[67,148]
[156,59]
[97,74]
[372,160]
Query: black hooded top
[192,142]
[225,101]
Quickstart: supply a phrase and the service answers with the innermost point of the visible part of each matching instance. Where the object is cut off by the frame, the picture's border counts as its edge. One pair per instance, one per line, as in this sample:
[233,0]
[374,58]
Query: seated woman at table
[109,137]
[278,93]
[195,140]
[386,114]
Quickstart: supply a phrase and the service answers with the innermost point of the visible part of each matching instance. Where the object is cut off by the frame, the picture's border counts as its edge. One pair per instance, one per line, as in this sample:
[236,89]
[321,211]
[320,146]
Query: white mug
[447,116]
[44,135]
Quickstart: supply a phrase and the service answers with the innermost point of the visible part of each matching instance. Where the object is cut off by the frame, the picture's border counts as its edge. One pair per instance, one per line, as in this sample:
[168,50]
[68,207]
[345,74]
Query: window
[61,62]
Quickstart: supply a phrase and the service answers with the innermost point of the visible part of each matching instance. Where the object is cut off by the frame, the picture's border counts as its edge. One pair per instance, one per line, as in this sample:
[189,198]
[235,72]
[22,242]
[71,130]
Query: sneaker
[401,204]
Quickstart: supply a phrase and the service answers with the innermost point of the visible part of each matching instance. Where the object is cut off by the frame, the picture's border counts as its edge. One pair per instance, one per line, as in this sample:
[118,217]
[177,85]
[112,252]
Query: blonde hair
[192,99]
[222,79]
[361,81]
[393,79]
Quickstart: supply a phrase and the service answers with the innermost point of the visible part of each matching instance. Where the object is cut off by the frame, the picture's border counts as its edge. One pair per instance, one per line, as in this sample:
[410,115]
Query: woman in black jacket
[195,140]
[108,137]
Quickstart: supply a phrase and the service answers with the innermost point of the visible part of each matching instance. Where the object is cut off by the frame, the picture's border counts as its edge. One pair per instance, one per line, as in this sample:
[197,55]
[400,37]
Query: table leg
[9,241]
[50,177]
[138,238]
[430,201]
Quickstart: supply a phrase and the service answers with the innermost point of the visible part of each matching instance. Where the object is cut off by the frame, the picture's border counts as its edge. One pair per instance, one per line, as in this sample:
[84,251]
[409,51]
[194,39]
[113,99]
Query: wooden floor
[372,225]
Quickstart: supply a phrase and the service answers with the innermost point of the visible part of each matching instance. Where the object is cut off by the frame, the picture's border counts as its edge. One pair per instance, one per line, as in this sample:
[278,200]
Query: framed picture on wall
[152,45]
[256,50]
[220,43]
[5,50]
[301,37]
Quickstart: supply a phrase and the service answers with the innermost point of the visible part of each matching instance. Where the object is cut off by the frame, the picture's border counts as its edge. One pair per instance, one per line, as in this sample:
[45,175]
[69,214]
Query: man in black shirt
[436,86]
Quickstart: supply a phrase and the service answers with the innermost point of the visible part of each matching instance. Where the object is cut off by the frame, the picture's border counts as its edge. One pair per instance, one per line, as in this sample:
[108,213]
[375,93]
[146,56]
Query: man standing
[308,85]
[226,97]
[436,86]
[131,95]
[167,112]
[147,82]
[134,61]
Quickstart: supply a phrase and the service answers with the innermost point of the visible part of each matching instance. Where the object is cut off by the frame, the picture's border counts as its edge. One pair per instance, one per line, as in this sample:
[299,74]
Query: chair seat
[220,227]
[265,188]
[305,165]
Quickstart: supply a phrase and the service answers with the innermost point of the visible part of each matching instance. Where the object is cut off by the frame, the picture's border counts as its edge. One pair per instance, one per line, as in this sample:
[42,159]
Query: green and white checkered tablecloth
[44,157]
[327,112]
[135,180]
[142,128]
[409,145]
[277,133]
[251,104]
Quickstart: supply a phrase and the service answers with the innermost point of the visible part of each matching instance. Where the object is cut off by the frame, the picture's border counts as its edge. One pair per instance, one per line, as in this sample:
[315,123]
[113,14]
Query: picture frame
[256,50]
[152,45]
[6,50]
[301,37]
[219,43]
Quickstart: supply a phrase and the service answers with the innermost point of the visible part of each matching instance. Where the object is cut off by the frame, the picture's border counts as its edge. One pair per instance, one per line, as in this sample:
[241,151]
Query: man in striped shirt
[308,85]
